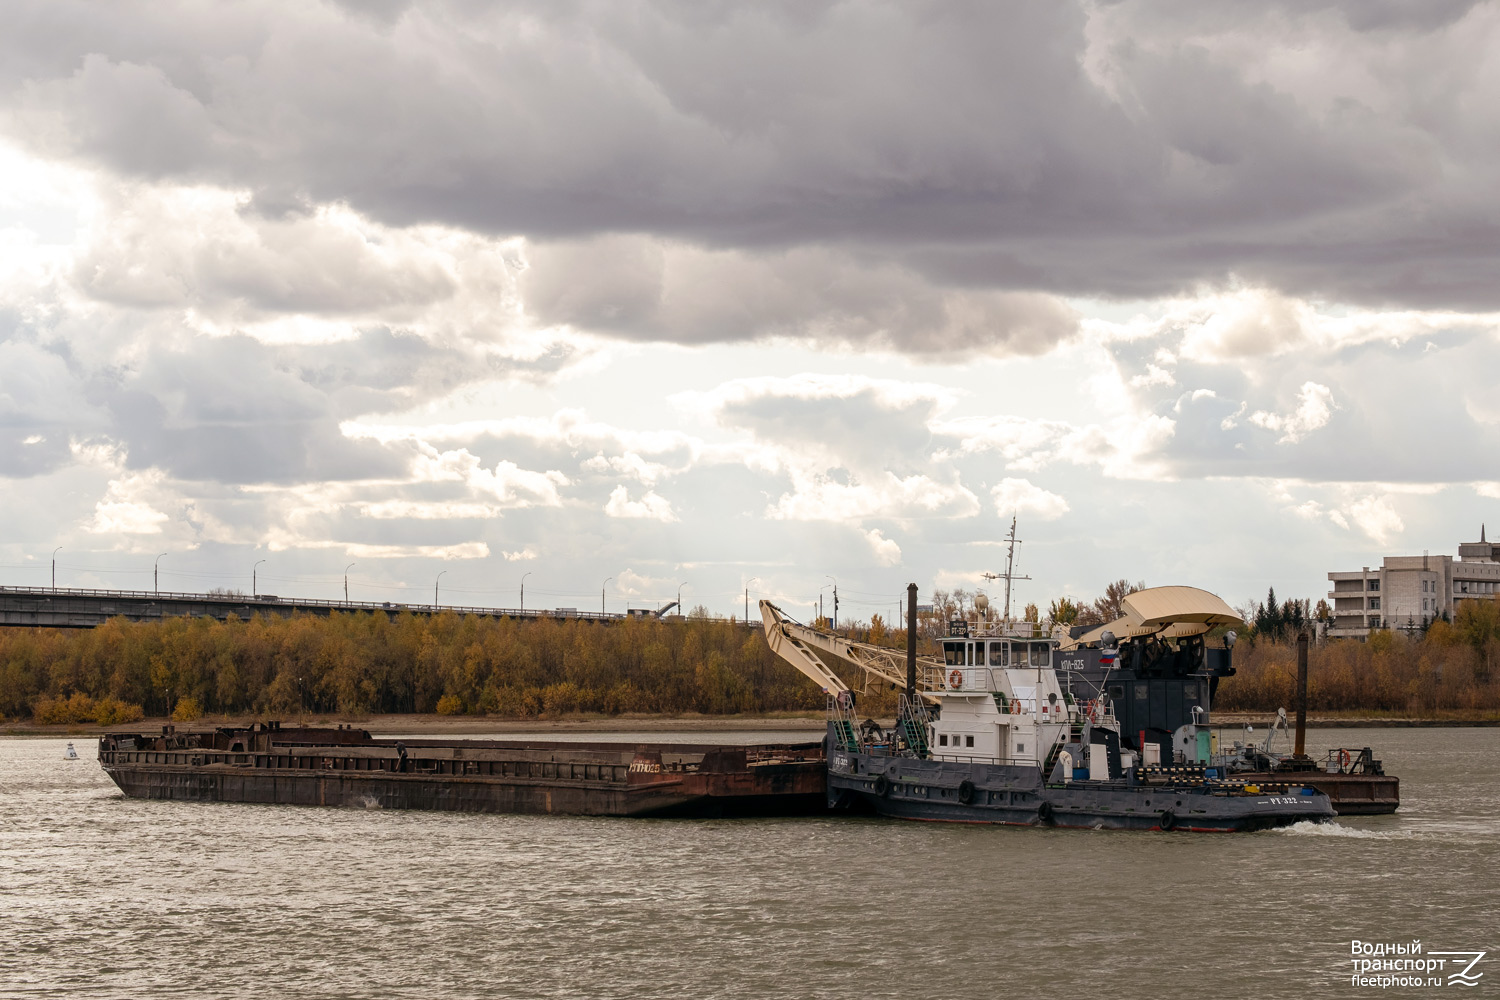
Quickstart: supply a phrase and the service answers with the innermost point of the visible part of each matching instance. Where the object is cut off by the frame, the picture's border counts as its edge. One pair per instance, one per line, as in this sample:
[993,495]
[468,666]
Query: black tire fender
[1167,821]
[966,791]
[1044,813]
[882,786]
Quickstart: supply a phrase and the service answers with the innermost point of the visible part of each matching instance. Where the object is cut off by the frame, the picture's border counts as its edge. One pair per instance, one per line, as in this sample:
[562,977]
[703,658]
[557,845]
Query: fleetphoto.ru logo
[1384,966]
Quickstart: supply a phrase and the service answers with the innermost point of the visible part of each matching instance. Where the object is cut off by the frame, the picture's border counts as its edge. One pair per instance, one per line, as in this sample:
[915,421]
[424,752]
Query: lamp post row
[255,583]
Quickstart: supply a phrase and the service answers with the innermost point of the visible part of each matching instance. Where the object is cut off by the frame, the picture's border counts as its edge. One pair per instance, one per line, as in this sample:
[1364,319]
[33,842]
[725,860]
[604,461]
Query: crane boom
[813,653]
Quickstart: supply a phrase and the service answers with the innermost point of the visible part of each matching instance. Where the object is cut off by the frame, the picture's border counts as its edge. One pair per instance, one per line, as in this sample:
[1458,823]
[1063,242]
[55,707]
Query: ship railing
[844,719]
[1351,760]
[971,680]
[947,754]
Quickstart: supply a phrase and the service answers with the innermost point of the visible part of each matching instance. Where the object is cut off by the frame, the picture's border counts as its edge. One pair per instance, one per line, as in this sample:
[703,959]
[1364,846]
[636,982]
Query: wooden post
[911,642]
[1301,748]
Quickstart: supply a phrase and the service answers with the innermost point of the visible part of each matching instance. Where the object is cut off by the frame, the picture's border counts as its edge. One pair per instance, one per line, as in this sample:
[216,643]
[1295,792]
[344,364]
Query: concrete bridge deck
[71,607]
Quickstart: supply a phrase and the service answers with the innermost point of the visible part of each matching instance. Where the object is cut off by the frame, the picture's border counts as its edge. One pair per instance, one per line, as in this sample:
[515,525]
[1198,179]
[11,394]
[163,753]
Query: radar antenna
[1010,563]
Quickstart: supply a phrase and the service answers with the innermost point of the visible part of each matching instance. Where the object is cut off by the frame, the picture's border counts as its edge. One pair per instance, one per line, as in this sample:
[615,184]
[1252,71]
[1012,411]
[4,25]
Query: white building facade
[1409,592]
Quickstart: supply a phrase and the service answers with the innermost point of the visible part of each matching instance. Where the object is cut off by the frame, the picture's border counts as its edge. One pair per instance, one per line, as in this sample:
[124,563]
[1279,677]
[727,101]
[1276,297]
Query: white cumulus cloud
[651,506]
[1315,406]
[1021,496]
[887,552]
[1377,518]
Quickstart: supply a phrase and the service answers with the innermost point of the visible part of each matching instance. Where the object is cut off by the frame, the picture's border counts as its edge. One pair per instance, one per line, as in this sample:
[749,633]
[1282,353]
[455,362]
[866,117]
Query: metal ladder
[844,721]
[911,721]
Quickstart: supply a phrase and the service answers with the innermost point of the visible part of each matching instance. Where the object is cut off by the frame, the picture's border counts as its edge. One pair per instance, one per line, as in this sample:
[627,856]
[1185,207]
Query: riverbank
[1359,720]
[466,725]
[811,722]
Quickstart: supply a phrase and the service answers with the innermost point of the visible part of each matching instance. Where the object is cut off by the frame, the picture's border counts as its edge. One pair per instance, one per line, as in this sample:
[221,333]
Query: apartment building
[1411,591]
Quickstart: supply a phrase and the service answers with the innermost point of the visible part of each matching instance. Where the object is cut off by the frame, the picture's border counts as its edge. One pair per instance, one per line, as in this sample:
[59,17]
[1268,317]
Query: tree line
[372,662]
[1448,667]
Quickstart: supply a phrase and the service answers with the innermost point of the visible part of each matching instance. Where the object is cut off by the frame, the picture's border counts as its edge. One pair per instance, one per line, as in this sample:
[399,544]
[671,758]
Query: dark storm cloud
[1073,148]
[223,410]
[229,409]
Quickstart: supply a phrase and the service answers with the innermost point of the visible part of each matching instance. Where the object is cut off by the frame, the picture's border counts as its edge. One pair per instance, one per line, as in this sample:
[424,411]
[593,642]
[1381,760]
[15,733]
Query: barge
[271,764]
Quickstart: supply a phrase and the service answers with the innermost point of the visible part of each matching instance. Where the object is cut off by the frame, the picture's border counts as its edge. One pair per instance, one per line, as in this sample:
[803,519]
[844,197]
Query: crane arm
[813,653]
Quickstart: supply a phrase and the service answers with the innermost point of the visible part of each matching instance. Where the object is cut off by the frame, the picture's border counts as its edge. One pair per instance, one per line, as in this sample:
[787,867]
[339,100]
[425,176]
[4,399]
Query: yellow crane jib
[815,653]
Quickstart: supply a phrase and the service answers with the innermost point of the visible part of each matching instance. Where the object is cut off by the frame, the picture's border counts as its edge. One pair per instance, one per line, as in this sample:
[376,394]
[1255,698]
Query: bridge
[71,607]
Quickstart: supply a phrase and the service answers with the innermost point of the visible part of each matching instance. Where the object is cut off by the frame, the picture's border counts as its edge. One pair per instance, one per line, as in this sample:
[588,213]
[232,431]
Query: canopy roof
[1171,612]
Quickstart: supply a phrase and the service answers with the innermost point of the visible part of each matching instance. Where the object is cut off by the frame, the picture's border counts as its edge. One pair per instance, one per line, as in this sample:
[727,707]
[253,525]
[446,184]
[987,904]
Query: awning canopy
[1170,612]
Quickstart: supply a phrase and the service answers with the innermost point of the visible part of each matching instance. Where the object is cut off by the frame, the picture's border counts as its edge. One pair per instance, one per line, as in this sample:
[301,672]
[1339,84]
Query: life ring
[1044,813]
[1167,821]
[966,791]
[955,679]
[1343,759]
[882,786]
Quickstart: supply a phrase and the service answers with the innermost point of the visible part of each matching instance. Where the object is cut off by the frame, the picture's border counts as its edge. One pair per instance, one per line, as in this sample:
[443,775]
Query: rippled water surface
[103,896]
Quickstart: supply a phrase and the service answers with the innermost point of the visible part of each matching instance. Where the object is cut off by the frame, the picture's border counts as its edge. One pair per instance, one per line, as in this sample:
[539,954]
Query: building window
[1374,604]
[1374,585]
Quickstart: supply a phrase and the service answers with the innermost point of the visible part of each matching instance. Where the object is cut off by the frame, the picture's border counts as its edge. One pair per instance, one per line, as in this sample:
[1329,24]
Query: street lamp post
[346,581]
[54,566]
[601,595]
[523,590]
[435,590]
[254,579]
[156,575]
[835,600]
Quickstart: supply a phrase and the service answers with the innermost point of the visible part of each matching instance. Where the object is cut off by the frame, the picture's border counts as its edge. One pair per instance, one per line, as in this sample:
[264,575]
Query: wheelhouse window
[998,657]
[968,741]
[953,654]
[1041,654]
[942,739]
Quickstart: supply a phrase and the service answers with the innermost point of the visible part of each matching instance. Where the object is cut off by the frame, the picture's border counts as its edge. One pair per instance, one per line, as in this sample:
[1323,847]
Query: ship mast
[1010,562]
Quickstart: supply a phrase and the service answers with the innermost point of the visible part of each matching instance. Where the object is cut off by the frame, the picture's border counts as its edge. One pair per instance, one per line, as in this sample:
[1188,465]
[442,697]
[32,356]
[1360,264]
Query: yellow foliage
[186,710]
[450,704]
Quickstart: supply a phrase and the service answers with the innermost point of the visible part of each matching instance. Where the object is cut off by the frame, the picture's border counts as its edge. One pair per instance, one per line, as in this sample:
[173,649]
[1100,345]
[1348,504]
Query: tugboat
[1016,727]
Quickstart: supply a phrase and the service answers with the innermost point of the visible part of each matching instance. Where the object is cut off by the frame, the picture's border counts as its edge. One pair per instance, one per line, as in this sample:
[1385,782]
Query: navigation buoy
[70,753]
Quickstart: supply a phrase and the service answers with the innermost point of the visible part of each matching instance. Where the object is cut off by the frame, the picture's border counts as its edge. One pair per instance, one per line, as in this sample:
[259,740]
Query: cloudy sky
[745,295]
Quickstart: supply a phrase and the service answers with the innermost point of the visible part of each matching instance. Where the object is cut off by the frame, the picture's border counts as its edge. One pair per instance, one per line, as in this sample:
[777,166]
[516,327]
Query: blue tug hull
[1015,795]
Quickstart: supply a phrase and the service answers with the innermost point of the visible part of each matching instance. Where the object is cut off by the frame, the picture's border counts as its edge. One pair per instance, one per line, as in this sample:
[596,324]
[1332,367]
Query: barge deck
[266,763]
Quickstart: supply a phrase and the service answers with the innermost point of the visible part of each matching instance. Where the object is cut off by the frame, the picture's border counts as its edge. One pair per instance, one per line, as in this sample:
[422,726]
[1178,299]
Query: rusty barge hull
[1351,794]
[267,764]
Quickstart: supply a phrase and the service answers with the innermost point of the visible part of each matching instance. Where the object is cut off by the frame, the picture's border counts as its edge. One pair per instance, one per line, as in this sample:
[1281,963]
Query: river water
[103,896]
